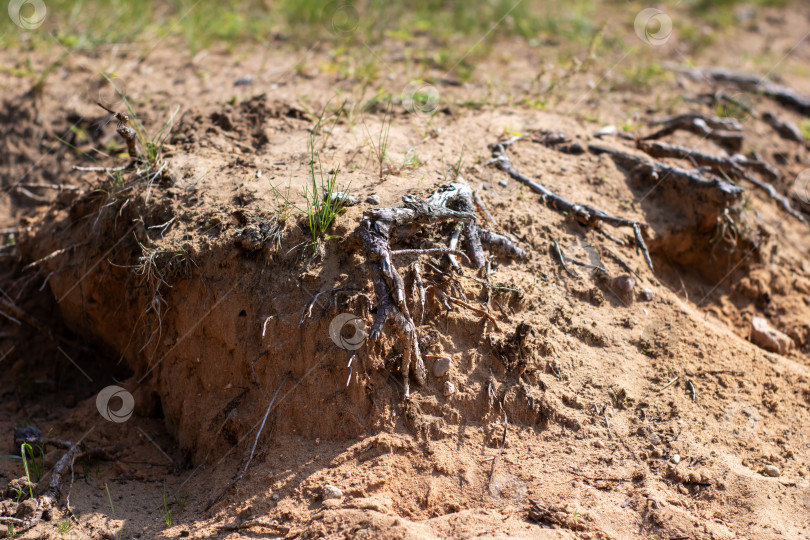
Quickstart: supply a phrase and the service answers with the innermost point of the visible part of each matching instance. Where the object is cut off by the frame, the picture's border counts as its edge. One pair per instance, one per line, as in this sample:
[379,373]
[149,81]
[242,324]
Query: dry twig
[27,516]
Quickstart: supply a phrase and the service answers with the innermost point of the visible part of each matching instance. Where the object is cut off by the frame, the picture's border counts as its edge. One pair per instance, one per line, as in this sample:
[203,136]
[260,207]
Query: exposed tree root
[380,228]
[715,189]
[747,81]
[251,523]
[733,166]
[29,515]
[560,142]
[726,131]
[587,215]
[786,129]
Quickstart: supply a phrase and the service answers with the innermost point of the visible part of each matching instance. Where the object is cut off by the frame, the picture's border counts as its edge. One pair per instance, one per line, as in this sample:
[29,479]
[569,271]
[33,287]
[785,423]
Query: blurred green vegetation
[451,35]
[205,23]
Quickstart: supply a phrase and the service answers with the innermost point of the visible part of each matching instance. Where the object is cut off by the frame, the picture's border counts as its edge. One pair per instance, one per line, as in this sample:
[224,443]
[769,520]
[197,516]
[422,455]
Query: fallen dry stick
[28,516]
[474,309]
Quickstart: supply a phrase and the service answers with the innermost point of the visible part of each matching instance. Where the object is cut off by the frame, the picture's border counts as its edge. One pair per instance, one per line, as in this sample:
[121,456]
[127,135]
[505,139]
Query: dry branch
[587,215]
[502,244]
[420,288]
[474,309]
[27,516]
[658,149]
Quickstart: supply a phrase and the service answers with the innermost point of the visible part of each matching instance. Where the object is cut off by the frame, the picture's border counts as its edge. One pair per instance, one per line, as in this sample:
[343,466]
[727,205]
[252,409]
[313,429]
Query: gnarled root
[380,228]
[733,166]
[726,131]
[587,215]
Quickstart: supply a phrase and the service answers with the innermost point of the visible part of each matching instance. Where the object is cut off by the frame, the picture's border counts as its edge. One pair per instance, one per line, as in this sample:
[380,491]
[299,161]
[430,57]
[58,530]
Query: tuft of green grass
[32,461]
[805,127]
[151,145]
[456,170]
[324,201]
[33,458]
[167,514]
[120,533]
[380,150]
[412,160]
[64,527]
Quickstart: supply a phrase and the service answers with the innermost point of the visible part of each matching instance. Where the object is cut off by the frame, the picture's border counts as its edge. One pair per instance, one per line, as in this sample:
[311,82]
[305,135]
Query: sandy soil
[582,411]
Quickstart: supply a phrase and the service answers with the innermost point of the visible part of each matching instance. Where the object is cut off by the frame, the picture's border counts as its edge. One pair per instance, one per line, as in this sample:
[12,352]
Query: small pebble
[275,496]
[606,131]
[503,183]
[449,388]
[345,198]
[646,294]
[624,287]
[259,173]
[484,186]
[441,366]
[373,199]
[244,81]
[331,492]
[599,443]
[676,458]
[771,470]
